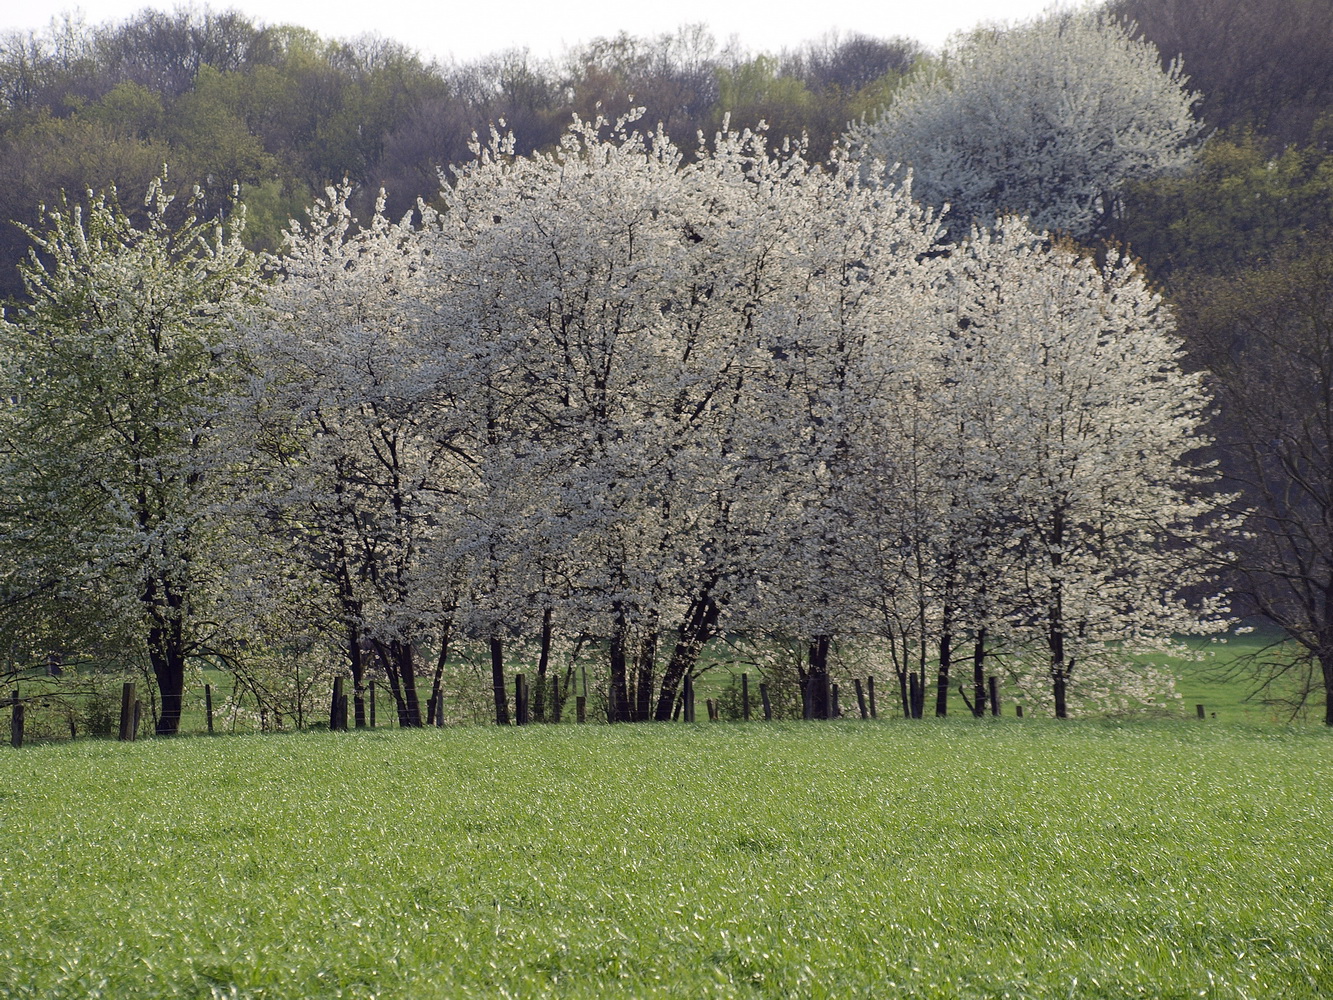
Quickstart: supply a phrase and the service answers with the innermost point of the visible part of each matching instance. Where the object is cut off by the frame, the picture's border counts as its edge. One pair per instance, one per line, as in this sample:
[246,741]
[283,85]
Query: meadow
[942,858]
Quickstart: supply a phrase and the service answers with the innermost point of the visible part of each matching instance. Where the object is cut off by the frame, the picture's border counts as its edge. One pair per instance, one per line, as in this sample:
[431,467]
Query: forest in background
[283,112]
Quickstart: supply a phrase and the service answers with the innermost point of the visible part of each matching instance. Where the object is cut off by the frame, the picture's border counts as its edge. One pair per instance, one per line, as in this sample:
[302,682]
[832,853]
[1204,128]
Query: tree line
[604,395]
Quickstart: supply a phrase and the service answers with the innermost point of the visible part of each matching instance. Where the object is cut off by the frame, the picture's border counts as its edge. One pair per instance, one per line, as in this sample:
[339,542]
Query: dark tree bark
[434,706]
[498,680]
[817,677]
[356,657]
[166,649]
[695,631]
[979,673]
[396,657]
[404,661]
[617,702]
[543,663]
[1055,620]
[391,676]
[643,694]
[946,662]
[168,664]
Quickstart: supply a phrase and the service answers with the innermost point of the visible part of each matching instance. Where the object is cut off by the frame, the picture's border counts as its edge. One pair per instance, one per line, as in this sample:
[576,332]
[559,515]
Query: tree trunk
[434,707]
[1326,665]
[1055,636]
[543,662]
[498,680]
[617,702]
[390,666]
[946,662]
[695,631]
[901,671]
[817,677]
[166,650]
[355,658]
[643,696]
[403,658]
[1059,686]
[168,664]
[979,673]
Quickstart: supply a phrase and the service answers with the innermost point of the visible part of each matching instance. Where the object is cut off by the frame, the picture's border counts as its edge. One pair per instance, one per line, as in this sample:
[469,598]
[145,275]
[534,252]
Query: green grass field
[948,859]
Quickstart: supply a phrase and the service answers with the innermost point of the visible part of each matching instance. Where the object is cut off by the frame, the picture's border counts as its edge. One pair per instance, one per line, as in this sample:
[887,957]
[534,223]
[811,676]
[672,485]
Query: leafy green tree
[211,140]
[74,153]
[756,91]
[106,374]
[1238,204]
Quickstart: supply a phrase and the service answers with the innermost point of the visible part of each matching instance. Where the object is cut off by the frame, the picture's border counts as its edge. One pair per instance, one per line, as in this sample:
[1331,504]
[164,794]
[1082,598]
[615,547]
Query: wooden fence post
[581,708]
[138,714]
[834,709]
[372,704]
[712,709]
[870,690]
[208,706]
[126,711]
[689,698]
[557,703]
[861,698]
[1199,709]
[994,686]
[768,707]
[16,721]
[745,697]
[1018,711]
[520,700]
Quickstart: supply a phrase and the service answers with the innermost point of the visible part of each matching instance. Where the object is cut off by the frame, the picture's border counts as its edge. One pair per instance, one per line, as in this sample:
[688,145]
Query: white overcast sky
[473,28]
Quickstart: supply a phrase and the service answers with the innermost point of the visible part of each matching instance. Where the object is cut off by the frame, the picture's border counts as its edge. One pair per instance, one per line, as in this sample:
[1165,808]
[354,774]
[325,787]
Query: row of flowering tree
[609,395]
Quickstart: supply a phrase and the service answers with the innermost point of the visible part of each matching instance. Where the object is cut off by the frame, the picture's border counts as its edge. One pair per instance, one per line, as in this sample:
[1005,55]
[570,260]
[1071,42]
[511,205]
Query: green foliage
[761,90]
[211,139]
[754,90]
[99,712]
[129,109]
[937,860]
[1238,205]
[270,206]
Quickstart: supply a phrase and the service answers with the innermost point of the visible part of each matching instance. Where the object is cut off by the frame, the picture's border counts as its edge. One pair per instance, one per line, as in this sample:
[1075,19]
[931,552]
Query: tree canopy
[1045,120]
[111,376]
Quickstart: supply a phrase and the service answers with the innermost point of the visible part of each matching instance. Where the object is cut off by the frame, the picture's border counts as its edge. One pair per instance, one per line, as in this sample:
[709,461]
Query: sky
[448,29]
